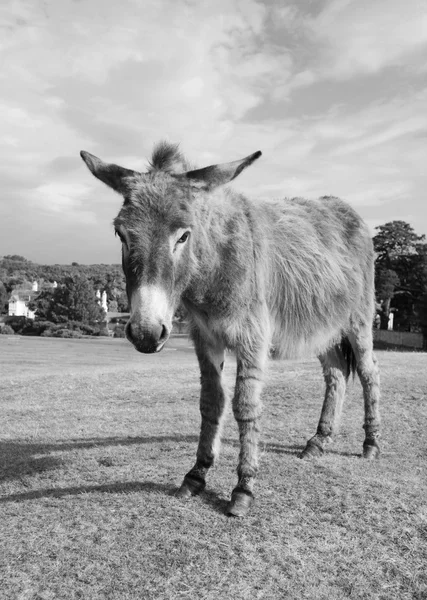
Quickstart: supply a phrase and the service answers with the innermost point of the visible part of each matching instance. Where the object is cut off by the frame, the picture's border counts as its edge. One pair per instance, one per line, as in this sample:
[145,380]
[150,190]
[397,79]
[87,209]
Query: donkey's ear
[112,175]
[215,175]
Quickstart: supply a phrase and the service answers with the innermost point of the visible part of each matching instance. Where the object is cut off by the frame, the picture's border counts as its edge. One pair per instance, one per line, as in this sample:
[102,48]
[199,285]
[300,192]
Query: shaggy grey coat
[292,277]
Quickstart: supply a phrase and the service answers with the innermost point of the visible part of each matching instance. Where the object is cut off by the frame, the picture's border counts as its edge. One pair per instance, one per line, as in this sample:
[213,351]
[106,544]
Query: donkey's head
[155,226]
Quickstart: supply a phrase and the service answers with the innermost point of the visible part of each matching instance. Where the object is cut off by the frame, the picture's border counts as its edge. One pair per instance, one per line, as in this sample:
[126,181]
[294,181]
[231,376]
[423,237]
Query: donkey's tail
[349,356]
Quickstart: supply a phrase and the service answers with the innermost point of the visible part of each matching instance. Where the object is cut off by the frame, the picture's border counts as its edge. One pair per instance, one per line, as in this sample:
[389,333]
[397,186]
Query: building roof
[26,294]
[23,295]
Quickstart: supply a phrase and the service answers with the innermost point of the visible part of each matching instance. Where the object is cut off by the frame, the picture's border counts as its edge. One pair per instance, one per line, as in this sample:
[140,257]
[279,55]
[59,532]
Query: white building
[22,296]
[102,299]
[18,303]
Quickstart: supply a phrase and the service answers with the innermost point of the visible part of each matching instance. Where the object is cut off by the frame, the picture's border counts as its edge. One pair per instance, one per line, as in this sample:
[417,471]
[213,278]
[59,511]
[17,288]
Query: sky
[334,93]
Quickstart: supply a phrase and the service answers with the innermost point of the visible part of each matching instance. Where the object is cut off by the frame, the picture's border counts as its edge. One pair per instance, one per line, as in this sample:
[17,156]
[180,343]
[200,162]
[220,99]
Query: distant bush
[19,324]
[36,327]
[119,332]
[7,330]
[47,333]
[62,333]
[66,333]
[88,329]
[75,329]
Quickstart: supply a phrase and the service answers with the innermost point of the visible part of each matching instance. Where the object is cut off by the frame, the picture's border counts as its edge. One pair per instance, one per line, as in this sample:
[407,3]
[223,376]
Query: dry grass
[96,438]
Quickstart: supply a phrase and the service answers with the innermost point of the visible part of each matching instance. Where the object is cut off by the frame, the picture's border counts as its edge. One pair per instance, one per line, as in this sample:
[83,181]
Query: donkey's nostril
[128,331]
[163,335]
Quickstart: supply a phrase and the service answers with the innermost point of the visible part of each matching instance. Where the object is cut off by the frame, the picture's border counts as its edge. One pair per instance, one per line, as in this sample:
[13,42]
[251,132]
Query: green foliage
[4,297]
[14,270]
[421,311]
[119,331]
[25,326]
[394,240]
[75,329]
[18,324]
[43,305]
[66,333]
[74,300]
[401,272]
[103,332]
[6,330]
[386,282]
[15,258]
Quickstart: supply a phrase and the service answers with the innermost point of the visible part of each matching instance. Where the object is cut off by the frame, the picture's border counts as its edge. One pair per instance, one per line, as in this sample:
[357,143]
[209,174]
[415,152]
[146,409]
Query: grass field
[95,440]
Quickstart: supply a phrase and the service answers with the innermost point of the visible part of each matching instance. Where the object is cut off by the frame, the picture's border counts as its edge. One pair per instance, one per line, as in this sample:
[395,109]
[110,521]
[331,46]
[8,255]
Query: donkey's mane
[168,157]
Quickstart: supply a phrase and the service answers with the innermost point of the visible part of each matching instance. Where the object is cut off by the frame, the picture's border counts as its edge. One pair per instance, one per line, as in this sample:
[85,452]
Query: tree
[394,240]
[43,305]
[401,271]
[74,300]
[4,297]
[386,281]
[15,257]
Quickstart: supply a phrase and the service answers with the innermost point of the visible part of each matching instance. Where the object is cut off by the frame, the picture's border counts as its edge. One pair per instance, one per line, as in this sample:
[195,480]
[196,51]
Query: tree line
[71,309]
[400,287]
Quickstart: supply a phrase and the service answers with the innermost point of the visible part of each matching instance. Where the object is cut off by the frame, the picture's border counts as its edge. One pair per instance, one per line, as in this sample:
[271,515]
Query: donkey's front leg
[212,404]
[247,409]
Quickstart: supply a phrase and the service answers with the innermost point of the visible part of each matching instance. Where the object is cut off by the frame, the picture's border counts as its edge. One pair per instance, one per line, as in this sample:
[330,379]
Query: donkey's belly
[293,344]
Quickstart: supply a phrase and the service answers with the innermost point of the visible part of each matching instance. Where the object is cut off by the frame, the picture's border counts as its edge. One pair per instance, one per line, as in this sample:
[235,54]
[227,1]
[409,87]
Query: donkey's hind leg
[212,404]
[367,369]
[335,371]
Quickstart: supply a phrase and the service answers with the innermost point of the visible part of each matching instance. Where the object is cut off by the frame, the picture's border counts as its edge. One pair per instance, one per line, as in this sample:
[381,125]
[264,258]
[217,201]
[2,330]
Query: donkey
[293,275]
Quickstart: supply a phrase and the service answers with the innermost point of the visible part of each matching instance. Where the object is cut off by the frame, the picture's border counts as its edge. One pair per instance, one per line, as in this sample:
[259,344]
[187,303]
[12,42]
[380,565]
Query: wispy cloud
[363,37]
[68,201]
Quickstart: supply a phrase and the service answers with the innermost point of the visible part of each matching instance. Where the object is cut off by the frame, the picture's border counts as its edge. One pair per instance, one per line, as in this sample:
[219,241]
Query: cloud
[66,200]
[364,36]
[305,82]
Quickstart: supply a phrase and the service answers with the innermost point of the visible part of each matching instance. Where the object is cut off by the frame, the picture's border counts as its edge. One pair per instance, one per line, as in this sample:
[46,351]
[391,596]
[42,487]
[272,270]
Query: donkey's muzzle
[147,340]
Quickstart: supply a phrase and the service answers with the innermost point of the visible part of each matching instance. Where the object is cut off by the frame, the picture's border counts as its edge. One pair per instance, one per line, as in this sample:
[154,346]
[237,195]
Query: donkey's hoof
[190,487]
[371,449]
[312,450]
[240,503]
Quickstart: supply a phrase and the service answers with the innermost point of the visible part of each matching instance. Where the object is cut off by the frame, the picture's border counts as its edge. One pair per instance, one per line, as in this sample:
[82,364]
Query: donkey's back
[321,273]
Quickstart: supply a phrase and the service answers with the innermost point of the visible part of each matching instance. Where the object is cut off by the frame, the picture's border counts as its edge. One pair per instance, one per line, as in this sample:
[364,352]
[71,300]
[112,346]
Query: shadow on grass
[107,488]
[146,487]
[27,458]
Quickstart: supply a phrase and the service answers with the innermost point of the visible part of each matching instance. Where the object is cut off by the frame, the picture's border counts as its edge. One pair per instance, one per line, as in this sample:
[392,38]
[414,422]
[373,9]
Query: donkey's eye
[184,238]
[119,235]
